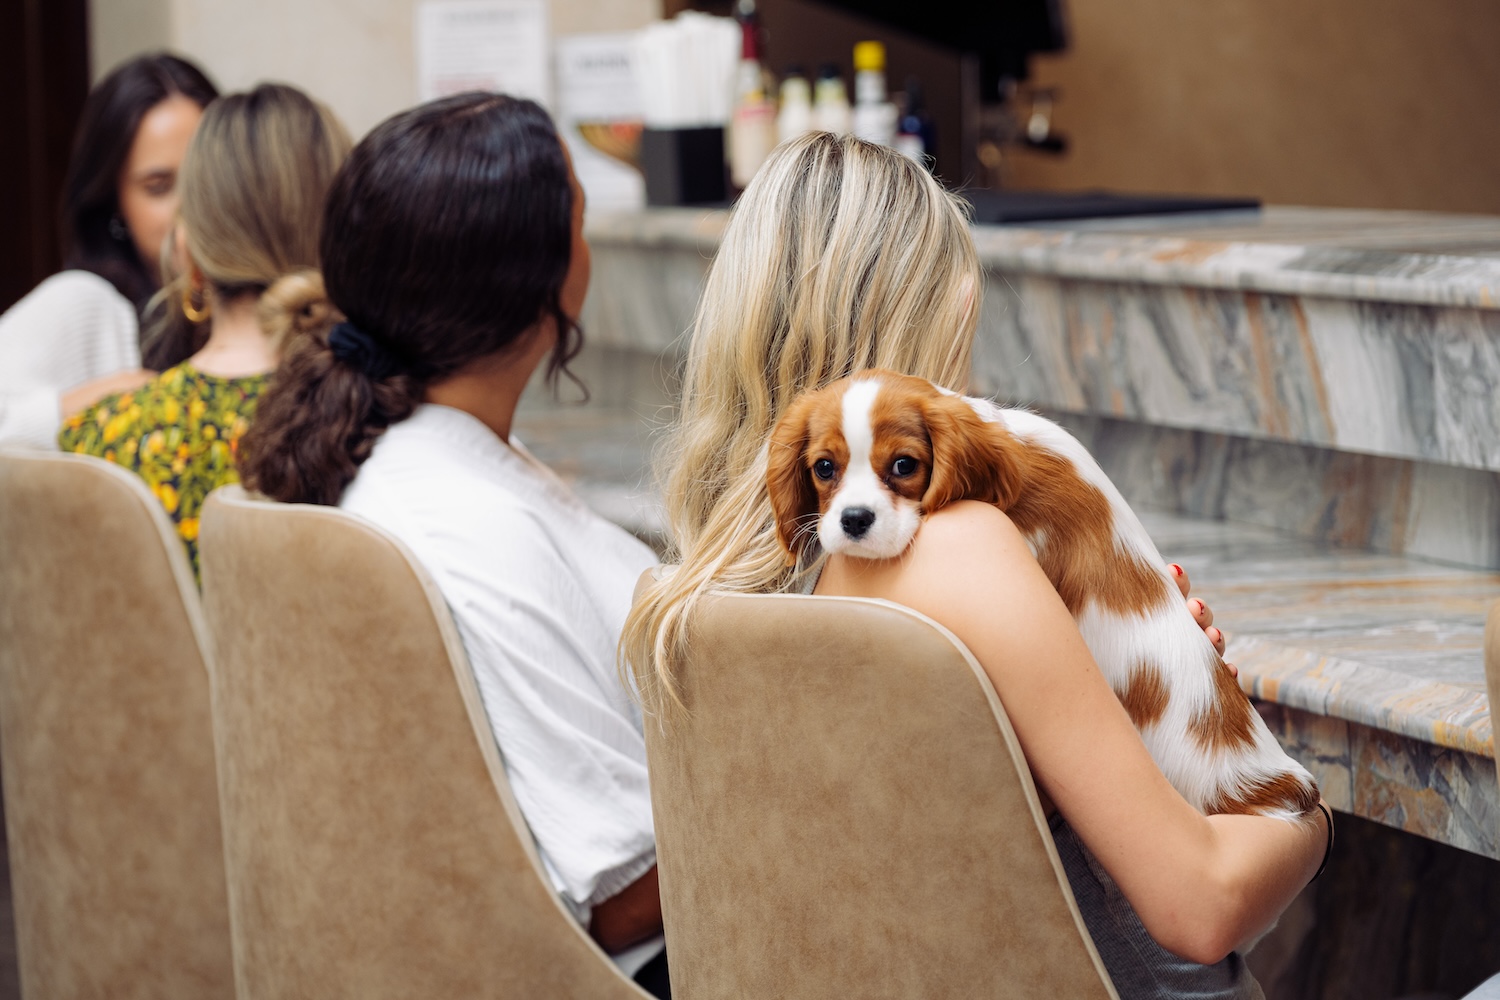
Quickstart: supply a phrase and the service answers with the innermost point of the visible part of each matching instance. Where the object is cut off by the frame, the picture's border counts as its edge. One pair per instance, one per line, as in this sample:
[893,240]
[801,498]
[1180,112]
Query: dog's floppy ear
[972,458]
[788,479]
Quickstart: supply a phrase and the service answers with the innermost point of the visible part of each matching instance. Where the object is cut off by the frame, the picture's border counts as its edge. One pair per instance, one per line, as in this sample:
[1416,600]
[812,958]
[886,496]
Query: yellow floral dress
[180,433]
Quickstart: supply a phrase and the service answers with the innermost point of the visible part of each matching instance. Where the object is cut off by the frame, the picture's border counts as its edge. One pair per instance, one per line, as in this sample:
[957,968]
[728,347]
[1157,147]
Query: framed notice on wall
[599,115]
[501,45]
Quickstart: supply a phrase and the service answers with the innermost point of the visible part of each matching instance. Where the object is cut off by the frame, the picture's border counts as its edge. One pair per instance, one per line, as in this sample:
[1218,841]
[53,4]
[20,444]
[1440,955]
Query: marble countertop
[1364,255]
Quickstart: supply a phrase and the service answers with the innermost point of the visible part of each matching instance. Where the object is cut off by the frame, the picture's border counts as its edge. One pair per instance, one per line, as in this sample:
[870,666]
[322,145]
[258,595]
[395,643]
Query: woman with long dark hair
[453,243]
[76,337]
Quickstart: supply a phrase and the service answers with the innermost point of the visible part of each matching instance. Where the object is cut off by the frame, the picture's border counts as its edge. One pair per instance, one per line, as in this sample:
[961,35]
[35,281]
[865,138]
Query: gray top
[1140,968]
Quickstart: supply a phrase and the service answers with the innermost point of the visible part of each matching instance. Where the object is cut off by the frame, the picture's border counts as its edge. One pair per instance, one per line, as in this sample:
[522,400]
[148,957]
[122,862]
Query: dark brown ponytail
[446,239]
[318,423]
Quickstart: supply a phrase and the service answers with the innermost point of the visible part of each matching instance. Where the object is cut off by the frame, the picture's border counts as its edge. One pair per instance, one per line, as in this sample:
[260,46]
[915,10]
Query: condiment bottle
[915,135]
[752,127]
[831,101]
[874,118]
[796,115]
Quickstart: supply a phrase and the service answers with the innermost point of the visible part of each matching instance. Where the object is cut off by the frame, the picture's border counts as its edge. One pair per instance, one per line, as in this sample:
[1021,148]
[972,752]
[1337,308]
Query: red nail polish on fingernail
[1176,570]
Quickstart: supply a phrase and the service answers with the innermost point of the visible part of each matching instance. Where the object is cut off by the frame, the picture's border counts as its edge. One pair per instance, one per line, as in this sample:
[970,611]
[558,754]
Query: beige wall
[356,55]
[1376,103]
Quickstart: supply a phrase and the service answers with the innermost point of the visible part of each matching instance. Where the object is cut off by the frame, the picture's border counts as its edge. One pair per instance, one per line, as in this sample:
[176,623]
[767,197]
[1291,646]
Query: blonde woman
[843,256]
[253,184]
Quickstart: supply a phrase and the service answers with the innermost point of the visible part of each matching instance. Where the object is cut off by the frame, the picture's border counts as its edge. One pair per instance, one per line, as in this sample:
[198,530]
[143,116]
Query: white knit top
[71,328]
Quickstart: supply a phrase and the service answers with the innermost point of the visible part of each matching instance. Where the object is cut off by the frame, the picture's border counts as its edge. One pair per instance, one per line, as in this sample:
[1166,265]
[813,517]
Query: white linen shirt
[539,587]
[71,328]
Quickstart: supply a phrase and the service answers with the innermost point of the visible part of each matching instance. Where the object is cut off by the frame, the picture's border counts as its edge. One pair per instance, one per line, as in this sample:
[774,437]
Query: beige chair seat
[373,845]
[844,811]
[111,803]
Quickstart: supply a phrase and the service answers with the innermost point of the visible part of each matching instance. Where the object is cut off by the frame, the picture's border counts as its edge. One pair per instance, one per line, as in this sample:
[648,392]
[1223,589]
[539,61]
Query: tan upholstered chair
[373,846]
[111,804]
[844,811]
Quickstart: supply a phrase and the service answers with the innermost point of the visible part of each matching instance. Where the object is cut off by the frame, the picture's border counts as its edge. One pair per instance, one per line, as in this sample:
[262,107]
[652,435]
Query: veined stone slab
[1366,332]
[1390,505]
[1407,381]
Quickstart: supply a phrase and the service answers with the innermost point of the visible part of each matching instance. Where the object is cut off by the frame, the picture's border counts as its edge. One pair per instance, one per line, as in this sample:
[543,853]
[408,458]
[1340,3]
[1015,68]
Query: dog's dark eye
[904,466]
[823,469]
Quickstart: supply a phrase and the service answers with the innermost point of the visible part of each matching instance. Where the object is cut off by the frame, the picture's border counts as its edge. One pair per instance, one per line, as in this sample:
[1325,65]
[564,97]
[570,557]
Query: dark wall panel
[44,77]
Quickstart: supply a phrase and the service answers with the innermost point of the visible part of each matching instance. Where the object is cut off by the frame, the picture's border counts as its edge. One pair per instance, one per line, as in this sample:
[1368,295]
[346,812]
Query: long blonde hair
[841,255]
[254,180]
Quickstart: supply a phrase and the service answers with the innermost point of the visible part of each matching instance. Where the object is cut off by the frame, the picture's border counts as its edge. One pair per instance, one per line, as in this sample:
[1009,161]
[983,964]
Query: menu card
[499,45]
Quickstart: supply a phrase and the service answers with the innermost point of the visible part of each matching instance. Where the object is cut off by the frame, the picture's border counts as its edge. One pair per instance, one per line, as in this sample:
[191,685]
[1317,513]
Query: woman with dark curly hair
[453,243]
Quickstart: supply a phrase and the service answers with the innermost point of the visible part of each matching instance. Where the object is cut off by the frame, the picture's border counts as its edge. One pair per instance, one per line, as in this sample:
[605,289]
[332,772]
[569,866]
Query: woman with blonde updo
[843,256]
[253,184]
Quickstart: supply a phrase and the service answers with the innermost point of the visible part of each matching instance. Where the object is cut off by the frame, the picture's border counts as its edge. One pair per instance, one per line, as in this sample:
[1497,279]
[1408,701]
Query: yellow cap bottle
[873,118]
[869,56]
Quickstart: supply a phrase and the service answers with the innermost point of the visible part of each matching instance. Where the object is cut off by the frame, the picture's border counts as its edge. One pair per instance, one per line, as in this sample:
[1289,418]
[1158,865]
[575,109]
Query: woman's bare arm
[1201,885]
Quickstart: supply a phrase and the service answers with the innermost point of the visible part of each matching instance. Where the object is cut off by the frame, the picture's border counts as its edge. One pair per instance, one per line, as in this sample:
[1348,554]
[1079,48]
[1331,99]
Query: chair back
[111,804]
[373,845]
[843,811]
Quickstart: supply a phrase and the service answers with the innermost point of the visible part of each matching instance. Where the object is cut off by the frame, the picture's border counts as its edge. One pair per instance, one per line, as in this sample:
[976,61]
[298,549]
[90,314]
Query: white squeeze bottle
[831,102]
[752,126]
[874,117]
[796,115]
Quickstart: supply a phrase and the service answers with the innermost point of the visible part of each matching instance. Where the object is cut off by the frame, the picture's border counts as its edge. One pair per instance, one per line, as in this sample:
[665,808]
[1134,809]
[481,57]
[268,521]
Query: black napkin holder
[684,166]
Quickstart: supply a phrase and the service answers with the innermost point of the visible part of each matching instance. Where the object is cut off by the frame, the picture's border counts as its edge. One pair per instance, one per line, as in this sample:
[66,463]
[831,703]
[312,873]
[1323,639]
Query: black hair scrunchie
[360,351]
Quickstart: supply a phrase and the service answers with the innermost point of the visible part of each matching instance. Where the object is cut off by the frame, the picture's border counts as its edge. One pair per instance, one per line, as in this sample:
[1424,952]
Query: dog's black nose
[857,521]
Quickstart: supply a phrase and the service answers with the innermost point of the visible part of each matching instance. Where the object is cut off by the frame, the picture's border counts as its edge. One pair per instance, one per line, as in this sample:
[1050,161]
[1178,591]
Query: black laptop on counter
[1017,207]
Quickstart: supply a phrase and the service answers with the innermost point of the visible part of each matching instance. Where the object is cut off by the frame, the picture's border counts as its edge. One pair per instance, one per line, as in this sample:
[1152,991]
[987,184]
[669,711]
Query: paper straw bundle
[685,70]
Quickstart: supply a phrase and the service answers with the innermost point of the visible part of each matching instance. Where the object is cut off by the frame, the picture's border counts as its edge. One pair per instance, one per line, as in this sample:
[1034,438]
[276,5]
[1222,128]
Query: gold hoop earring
[192,312]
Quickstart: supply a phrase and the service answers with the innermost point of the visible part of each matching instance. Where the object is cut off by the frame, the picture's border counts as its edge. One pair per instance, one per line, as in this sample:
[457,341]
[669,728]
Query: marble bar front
[1302,404]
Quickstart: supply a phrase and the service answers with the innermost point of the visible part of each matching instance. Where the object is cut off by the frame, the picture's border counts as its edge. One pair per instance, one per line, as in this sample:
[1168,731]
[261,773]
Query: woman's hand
[1202,614]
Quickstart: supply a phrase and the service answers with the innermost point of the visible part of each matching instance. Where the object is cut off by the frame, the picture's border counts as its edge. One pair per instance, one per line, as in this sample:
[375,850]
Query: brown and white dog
[857,464]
